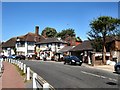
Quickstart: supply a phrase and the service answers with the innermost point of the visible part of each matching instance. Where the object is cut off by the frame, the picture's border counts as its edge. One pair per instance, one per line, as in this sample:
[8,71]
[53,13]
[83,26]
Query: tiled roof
[117,38]
[65,49]
[51,40]
[10,43]
[85,45]
[0,47]
[31,37]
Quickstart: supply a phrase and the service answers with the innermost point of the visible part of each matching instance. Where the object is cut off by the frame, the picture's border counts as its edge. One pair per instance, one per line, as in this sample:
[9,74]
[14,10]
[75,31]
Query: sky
[19,18]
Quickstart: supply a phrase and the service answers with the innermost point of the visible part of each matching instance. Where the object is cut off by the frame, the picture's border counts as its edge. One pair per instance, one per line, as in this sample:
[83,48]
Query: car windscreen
[118,63]
[75,58]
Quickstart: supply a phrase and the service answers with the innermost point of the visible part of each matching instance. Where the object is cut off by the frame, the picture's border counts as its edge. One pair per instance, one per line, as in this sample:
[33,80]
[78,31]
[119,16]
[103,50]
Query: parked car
[117,67]
[20,57]
[3,56]
[12,56]
[73,60]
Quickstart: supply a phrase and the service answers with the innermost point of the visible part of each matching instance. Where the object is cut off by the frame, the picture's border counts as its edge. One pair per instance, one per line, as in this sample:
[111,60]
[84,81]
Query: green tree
[49,32]
[64,33]
[101,28]
[78,39]
[118,34]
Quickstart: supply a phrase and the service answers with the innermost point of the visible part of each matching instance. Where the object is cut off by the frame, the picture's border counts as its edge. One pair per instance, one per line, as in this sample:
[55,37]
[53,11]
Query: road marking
[91,74]
[112,79]
[100,76]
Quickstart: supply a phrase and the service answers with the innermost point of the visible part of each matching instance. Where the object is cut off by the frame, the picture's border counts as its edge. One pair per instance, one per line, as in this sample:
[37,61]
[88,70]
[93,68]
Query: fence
[1,65]
[38,82]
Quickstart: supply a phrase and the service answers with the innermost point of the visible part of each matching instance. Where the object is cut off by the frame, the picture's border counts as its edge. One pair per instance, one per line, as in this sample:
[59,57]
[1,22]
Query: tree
[65,33]
[49,32]
[118,34]
[101,28]
[78,39]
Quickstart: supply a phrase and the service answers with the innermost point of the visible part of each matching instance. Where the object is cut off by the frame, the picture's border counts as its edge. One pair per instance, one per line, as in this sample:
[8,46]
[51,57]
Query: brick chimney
[37,30]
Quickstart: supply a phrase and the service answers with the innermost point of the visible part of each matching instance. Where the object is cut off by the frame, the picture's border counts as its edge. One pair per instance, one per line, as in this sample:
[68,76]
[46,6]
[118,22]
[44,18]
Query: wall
[54,48]
[117,45]
[8,51]
[116,54]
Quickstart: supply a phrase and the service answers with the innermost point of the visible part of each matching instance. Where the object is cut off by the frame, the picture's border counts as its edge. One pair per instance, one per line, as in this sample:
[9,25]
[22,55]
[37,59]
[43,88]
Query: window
[30,43]
[30,51]
[58,44]
[47,45]
[21,44]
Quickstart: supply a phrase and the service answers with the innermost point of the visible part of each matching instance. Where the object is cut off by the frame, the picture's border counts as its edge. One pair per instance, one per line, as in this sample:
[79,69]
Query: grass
[21,73]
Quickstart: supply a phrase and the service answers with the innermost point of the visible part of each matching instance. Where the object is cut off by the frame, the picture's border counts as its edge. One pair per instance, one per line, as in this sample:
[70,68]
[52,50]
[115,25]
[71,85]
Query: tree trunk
[104,48]
[104,54]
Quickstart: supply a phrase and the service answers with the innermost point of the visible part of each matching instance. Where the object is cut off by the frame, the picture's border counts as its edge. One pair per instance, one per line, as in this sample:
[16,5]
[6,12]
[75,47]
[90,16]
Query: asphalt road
[67,76]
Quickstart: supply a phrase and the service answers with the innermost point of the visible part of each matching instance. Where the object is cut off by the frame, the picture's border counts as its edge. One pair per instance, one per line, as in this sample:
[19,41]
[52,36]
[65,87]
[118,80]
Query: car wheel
[118,69]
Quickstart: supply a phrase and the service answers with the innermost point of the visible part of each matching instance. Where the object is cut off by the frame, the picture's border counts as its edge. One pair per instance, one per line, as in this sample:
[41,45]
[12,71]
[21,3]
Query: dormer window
[18,39]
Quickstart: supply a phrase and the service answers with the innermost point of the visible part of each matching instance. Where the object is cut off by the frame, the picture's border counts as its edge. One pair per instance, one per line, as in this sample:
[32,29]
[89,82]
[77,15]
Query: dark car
[117,67]
[20,57]
[12,56]
[73,60]
[3,56]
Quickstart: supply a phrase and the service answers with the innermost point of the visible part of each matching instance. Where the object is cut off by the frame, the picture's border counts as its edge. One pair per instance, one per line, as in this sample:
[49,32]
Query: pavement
[109,68]
[12,79]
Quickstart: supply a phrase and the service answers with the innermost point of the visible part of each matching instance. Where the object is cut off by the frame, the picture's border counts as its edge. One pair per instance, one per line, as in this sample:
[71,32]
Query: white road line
[90,74]
[112,79]
[100,76]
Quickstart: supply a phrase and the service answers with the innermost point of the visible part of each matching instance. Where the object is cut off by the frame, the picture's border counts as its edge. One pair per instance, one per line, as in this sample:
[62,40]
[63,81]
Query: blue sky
[21,17]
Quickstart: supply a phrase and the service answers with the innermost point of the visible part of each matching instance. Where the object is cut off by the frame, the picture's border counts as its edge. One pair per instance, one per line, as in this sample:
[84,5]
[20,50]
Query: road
[67,76]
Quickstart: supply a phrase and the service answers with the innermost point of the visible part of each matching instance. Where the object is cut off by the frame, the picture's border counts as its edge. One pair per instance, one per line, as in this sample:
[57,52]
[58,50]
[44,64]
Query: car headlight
[73,60]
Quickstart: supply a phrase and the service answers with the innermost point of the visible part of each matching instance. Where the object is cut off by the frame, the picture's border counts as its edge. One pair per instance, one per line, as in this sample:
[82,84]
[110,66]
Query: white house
[50,46]
[25,44]
[8,47]
[22,45]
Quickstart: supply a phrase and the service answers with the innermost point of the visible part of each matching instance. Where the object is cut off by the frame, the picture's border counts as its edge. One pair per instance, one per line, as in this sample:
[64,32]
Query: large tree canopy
[49,32]
[64,33]
[101,28]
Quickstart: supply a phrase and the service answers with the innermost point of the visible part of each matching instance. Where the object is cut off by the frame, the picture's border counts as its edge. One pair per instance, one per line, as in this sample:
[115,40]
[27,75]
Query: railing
[1,66]
[38,82]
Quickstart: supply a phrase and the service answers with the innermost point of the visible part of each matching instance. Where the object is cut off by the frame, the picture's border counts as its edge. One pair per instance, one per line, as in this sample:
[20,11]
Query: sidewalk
[109,68]
[106,67]
[11,77]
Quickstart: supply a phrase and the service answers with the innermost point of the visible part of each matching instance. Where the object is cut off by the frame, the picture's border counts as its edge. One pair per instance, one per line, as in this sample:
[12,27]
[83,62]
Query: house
[1,51]
[66,50]
[22,45]
[114,44]
[8,47]
[25,44]
[51,46]
[83,51]
[72,40]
